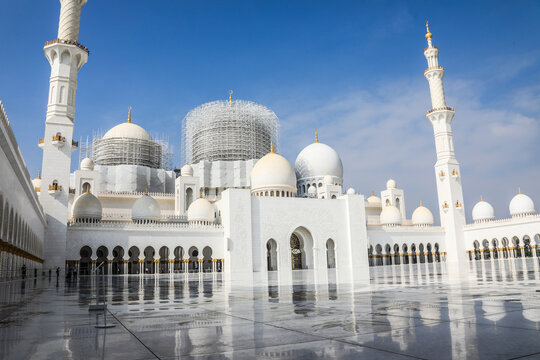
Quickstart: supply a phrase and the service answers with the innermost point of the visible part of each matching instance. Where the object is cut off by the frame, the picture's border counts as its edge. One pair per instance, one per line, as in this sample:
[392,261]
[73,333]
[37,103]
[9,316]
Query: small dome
[328,180]
[127,130]
[86,206]
[422,216]
[351,191]
[37,182]
[145,208]
[391,184]
[317,160]
[521,205]
[273,172]
[483,211]
[87,164]
[374,199]
[201,210]
[390,215]
[186,170]
[312,191]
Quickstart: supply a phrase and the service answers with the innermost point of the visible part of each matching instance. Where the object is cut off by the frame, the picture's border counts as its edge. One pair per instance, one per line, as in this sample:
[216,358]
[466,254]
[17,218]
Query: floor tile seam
[503,326]
[524,356]
[342,340]
[132,334]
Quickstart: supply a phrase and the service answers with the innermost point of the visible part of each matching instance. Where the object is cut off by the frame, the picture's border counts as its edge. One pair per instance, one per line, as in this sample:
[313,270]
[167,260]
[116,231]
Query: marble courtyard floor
[409,312]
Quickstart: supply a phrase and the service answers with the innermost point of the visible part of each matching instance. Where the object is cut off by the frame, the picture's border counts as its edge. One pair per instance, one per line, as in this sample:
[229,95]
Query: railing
[134,193]
[74,143]
[433,68]
[71,190]
[126,215]
[55,187]
[41,141]
[59,138]
[503,221]
[156,225]
[68,42]
[439,109]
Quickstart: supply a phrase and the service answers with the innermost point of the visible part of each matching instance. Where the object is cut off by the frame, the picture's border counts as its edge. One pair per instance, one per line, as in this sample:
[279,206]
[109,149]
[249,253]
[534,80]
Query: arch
[388,251]
[178,258]
[378,250]
[193,265]
[476,246]
[330,254]
[85,262]
[516,243]
[370,255]
[189,197]
[429,253]
[422,253]
[397,259]
[414,259]
[397,203]
[527,249]
[207,259]
[437,252]
[537,244]
[495,248]
[485,249]
[271,255]
[163,260]
[102,252]
[334,197]
[301,249]
[134,263]
[405,251]
[505,243]
[65,58]
[86,187]
[387,202]
[149,264]
[118,260]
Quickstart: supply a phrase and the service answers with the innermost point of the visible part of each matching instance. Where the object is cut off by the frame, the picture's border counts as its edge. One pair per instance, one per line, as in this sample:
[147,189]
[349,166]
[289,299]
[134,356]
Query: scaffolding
[155,153]
[228,130]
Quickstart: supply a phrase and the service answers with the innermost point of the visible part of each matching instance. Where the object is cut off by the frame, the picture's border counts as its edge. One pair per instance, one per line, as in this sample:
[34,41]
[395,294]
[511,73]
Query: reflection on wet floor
[408,312]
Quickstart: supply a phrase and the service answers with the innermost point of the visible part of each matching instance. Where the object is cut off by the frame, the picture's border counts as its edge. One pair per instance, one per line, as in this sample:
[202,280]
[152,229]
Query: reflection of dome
[318,160]
[186,170]
[483,211]
[201,211]
[87,164]
[390,215]
[37,182]
[521,205]
[86,207]
[146,208]
[127,130]
[273,173]
[422,216]
[312,192]
[351,191]
[374,199]
[493,309]
[531,312]
[391,184]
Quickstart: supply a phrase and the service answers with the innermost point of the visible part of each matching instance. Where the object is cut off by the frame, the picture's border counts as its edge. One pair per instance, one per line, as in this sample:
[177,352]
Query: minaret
[66,57]
[447,171]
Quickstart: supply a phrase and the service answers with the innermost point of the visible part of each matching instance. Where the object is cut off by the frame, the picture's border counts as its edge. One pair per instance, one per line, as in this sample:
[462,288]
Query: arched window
[387,202]
[189,197]
[485,249]
[397,203]
[86,187]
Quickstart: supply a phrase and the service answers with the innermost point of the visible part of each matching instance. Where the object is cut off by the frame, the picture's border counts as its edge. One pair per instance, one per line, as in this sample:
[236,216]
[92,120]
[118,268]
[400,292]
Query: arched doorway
[189,197]
[271,255]
[413,254]
[178,259]
[429,253]
[388,251]
[370,255]
[85,264]
[193,265]
[101,262]
[330,254]
[405,254]
[378,251]
[301,244]
[505,247]
[149,265]
[422,254]
[517,250]
[118,261]
[207,259]
[527,249]
[537,243]
[133,265]
[437,253]
[495,248]
[485,249]
[476,246]
[397,259]
[164,260]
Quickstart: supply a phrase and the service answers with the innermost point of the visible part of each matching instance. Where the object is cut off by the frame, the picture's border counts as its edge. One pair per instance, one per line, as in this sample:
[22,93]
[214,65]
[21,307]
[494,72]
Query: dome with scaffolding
[228,130]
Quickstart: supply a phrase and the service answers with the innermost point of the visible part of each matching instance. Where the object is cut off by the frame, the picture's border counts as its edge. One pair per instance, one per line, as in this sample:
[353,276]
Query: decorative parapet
[439,109]
[68,42]
[133,194]
[433,68]
[527,218]
[147,226]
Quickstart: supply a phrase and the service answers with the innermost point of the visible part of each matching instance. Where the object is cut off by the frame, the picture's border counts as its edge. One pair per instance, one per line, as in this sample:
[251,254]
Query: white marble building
[125,214]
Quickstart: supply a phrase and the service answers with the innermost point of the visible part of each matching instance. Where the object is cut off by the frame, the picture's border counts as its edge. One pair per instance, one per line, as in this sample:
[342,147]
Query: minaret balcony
[58,141]
[444,108]
[74,145]
[41,143]
[55,190]
[455,174]
[442,175]
[433,68]
[445,207]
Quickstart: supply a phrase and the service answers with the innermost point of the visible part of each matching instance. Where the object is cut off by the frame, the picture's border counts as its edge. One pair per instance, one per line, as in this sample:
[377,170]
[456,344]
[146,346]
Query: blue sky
[353,69]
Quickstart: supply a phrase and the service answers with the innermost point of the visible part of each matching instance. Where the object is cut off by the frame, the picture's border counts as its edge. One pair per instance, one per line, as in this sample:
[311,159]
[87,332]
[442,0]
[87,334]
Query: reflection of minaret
[66,57]
[447,171]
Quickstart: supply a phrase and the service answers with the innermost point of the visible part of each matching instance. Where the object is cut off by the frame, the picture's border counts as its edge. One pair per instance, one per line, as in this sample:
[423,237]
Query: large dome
[86,207]
[228,130]
[390,215]
[273,173]
[127,130]
[201,211]
[318,160]
[521,205]
[146,208]
[422,216]
[483,211]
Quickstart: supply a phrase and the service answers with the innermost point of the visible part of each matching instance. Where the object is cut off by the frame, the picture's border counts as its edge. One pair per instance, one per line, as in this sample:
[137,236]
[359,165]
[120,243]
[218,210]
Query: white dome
[127,130]
[145,208]
[86,206]
[328,180]
[374,199]
[37,183]
[312,191]
[390,215]
[201,210]
[521,205]
[483,211]
[391,184]
[87,164]
[186,170]
[351,191]
[317,160]
[273,172]
[422,216]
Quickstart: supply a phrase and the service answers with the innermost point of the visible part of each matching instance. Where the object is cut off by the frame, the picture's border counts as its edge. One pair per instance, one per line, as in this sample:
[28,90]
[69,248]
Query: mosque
[236,206]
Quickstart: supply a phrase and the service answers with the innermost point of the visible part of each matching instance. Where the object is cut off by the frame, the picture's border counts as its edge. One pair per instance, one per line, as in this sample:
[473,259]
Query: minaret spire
[447,171]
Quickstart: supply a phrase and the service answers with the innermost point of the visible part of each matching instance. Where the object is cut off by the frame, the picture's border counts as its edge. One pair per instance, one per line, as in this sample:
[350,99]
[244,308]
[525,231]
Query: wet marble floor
[409,312]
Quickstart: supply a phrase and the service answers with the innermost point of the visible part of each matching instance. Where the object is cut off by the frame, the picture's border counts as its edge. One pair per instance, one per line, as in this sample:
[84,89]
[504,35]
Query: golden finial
[316,136]
[372,193]
[39,174]
[129,115]
[230,97]
[272,148]
[428,34]
[519,190]
[421,203]
[481,198]
[200,192]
